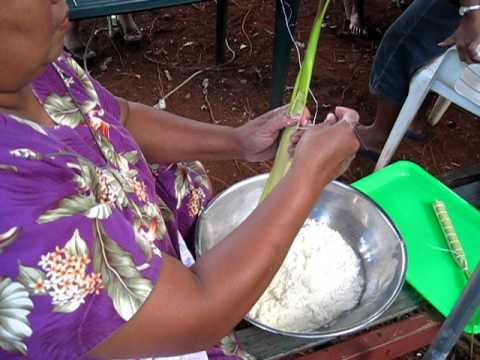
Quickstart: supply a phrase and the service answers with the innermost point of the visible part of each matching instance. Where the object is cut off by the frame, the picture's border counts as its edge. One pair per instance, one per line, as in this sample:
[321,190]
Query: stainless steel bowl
[355,216]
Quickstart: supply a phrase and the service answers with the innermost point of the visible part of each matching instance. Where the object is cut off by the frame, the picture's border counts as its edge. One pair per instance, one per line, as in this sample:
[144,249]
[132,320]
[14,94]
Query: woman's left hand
[258,137]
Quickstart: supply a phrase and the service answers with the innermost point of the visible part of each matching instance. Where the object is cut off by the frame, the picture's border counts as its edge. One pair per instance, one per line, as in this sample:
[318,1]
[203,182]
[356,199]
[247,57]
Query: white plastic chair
[441,76]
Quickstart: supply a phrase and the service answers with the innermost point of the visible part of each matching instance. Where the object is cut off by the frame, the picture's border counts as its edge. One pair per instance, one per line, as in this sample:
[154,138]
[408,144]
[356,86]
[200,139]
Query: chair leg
[281,49]
[419,88]
[110,25]
[222,14]
[438,110]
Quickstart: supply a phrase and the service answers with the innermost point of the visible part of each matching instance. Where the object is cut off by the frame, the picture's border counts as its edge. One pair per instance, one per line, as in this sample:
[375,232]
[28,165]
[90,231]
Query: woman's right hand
[327,149]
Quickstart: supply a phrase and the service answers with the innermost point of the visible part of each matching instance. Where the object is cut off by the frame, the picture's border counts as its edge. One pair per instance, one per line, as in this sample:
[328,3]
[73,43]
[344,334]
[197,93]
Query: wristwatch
[465,9]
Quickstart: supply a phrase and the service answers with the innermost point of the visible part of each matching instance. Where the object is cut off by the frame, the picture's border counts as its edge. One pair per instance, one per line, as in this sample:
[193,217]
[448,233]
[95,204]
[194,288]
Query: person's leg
[72,37]
[354,12]
[347,5]
[410,43]
[74,45]
[374,136]
[357,18]
[130,30]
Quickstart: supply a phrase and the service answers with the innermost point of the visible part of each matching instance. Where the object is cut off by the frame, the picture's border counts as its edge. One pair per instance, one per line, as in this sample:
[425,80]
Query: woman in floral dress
[93,240]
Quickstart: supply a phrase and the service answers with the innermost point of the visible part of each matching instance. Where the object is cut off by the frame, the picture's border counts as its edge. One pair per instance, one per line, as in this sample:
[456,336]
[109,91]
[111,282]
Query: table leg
[455,323]
[281,49]
[222,13]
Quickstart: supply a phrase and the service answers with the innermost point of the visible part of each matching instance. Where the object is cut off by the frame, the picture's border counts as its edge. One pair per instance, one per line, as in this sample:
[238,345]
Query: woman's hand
[258,138]
[327,148]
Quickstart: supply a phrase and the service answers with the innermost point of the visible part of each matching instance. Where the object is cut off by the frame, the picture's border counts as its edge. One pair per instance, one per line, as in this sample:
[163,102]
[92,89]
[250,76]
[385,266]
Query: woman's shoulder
[91,88]
[64,86]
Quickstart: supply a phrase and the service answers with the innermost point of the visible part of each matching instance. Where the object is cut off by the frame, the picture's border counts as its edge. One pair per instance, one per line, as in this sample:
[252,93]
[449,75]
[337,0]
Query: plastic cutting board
[405,191]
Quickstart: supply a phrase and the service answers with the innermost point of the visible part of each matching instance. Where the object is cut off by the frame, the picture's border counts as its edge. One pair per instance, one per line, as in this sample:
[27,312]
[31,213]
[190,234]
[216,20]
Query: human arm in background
[467,35]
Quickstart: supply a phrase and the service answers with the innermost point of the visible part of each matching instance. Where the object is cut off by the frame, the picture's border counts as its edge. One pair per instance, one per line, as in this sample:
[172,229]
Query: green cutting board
[405,191]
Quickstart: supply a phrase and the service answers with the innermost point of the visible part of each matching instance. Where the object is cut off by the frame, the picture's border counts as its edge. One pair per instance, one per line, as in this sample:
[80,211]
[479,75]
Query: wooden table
[265,345]
[395,338]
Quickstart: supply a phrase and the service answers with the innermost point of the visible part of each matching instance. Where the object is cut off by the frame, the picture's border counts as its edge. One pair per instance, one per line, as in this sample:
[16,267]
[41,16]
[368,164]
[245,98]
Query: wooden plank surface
[466,183]
[266,346]
[386,342]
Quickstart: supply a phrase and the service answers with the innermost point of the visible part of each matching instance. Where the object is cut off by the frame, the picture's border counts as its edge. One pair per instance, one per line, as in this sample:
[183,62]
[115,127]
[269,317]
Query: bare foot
[354,12]
[357,25]
[371,138]
[130,30]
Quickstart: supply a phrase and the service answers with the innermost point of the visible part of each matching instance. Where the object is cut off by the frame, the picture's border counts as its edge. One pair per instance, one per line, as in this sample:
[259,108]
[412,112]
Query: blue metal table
[83,9]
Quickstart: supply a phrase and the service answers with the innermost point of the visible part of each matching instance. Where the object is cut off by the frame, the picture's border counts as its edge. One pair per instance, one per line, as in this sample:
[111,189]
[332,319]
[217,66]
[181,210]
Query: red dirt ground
[181,41]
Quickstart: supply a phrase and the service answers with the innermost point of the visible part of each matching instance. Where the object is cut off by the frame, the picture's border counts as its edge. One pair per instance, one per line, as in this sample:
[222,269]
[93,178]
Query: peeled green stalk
[297,103]
[454,244]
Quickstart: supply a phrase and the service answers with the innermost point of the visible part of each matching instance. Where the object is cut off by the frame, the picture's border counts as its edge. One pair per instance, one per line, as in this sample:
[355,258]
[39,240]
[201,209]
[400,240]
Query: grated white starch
[319,280]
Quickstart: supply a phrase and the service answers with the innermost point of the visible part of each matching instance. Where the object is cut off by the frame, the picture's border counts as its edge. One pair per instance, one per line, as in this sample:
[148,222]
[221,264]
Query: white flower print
[25,153]
[67,281]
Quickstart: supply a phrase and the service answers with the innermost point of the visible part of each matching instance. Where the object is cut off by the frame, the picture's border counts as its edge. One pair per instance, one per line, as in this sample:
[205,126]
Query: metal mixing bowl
[355,216]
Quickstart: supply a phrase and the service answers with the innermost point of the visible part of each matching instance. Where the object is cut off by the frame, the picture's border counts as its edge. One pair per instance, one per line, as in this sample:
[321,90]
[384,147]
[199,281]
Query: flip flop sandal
[115,26]
[78,52]
[369,154]
[411,135]
[131,36]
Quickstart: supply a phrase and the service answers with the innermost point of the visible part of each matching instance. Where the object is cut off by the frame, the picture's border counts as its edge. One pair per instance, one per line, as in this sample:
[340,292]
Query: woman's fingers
[306,117]
[275,116]
[279,118]
[301,121]
[348,115]
[294,140]
[287,121]
[448,42]
[330,119]
[297,136]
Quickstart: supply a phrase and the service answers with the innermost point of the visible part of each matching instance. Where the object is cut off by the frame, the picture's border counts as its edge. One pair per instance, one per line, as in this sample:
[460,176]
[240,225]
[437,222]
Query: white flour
[319,280]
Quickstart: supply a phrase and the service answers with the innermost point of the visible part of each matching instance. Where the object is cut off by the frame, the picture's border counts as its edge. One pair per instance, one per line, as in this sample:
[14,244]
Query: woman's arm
[165,137]
[191,309]
[467,35]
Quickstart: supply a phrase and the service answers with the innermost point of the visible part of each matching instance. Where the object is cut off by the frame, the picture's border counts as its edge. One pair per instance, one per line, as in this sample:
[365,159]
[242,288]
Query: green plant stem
[298,101]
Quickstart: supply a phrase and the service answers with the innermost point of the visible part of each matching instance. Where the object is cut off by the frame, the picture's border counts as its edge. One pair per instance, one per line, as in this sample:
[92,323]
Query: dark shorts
[410,43]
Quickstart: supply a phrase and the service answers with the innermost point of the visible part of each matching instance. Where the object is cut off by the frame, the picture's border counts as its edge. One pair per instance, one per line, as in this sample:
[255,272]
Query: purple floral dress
[84,221]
